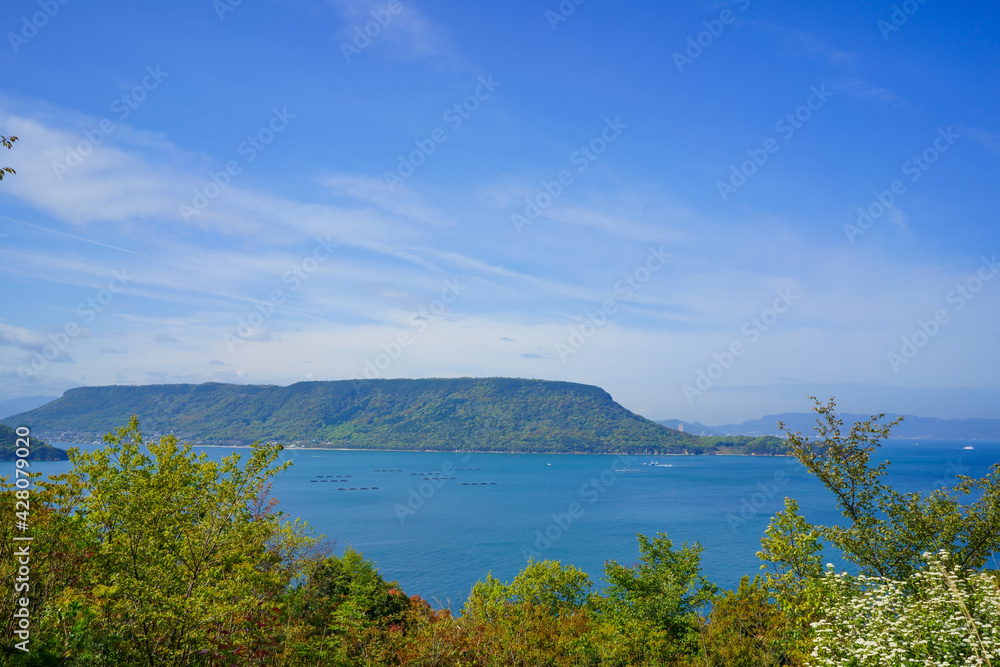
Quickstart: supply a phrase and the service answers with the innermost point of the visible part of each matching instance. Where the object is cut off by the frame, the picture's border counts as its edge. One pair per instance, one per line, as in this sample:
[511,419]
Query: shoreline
[64,445]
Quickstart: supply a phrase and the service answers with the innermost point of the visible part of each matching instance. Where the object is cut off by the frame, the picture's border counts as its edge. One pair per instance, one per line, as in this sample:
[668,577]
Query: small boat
[968,447]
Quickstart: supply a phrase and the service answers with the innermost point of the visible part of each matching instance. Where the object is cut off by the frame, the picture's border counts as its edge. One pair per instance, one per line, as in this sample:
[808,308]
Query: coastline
[65,445]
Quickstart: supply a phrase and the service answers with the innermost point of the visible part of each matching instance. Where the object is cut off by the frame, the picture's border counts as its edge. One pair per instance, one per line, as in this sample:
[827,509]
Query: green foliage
[185,554]
[546,584]
[522,634]
[791,548]
[39,450]
[59,556]
[350,589]
[746,445]
[745,629]
[889,531]
[468,414]
[656,600]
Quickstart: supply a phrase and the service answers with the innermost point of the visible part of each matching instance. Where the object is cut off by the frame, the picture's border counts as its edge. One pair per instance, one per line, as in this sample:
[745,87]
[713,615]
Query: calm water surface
[439,536]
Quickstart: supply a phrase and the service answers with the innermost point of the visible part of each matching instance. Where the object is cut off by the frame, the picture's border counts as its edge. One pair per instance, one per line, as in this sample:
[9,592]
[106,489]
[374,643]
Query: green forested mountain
[40,451]
[482,414]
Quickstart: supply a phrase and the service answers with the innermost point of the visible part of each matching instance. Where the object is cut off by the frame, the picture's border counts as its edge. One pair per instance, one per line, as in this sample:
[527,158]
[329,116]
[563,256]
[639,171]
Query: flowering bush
[941,616]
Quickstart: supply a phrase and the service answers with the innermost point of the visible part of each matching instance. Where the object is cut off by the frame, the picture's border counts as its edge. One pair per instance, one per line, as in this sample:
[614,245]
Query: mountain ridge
[911,428]
[468,414]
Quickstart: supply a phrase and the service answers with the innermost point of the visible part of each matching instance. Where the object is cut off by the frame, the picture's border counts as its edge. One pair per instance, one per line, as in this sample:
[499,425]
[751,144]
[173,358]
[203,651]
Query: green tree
[8,143]
[889,531]
[547,584]
[745,629]
[350,589]
[539,618]
[59,556]
[791,551]
[189,555]
[649,610]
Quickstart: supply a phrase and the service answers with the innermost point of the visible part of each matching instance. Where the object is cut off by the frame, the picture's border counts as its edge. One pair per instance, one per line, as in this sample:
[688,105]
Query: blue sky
[660,200]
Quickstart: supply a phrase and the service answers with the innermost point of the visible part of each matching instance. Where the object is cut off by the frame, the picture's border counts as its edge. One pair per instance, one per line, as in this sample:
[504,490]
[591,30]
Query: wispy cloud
[401,200]
[985,138]
[408,35]
[860,88]
[799,42]
[31,341]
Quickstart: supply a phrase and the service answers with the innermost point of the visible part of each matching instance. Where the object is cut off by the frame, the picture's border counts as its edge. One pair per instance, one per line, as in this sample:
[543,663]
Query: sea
[438,522]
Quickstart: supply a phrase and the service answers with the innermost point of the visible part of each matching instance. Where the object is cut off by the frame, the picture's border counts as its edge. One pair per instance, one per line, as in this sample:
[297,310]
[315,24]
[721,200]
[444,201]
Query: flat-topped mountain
[480,414]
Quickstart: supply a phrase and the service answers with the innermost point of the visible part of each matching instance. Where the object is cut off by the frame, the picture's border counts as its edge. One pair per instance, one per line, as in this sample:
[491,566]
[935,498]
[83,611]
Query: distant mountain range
[911,428]
[13,406]
[469,414]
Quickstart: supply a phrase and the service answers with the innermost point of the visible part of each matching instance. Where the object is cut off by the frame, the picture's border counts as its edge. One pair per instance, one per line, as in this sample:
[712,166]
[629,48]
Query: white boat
[968,447]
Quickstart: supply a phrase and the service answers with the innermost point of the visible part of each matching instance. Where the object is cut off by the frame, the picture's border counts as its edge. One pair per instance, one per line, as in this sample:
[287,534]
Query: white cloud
[406,35]
[799,42]
[861,88]
[31,341]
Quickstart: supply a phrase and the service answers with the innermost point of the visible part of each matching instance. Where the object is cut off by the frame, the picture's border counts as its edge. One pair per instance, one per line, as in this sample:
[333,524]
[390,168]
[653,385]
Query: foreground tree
[649,612]
[59,556]
[746,629]
[890,531]
[547,584]
[189,559]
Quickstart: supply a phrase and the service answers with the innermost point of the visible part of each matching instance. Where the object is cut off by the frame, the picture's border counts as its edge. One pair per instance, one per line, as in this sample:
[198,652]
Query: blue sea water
[438,522]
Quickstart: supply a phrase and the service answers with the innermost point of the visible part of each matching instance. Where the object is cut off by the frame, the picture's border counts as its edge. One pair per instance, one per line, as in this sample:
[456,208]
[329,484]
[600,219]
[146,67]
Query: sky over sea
[710,209]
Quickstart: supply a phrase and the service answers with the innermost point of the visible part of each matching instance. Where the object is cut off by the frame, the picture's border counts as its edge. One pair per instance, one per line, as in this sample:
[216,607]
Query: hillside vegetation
[40,451]
[480,414]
